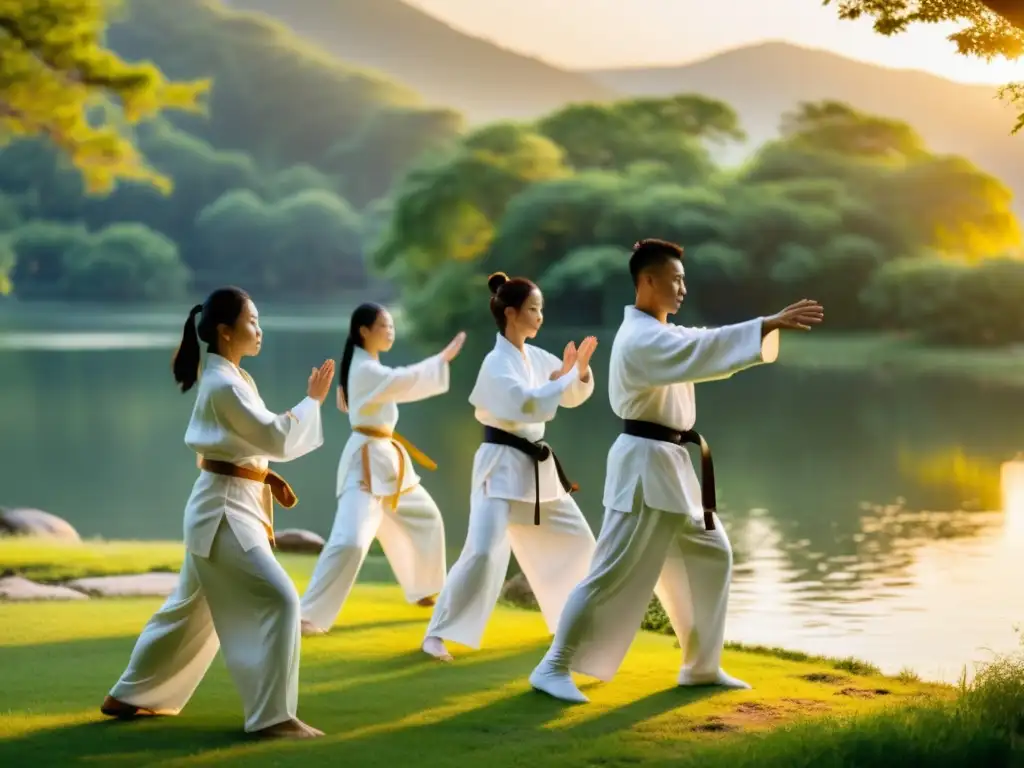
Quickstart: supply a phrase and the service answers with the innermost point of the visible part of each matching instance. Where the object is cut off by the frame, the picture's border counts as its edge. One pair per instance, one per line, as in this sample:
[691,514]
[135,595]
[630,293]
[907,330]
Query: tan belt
[282,492]
[396,440]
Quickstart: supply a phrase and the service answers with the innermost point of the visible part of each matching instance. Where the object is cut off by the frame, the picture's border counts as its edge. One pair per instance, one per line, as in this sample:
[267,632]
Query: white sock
[556,684]
[686,677]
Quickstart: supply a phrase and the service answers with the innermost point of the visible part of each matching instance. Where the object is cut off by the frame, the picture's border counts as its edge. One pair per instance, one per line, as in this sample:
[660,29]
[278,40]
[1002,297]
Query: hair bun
[495,281]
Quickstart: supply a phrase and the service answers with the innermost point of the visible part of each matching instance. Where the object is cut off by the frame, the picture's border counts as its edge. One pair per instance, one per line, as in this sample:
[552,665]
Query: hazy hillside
[763,81]
[448,68]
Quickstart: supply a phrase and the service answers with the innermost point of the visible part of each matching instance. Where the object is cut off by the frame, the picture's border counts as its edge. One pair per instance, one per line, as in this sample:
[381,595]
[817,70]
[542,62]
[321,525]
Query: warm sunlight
[598,34]
[329,190]
[1012,481]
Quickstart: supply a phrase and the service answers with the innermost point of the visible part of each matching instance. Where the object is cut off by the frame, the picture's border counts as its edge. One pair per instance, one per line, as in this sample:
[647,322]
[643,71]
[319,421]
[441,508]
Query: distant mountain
[447,67]
[763,81]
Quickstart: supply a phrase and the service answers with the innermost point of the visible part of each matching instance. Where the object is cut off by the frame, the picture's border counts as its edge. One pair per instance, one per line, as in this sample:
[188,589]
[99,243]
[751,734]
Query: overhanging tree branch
[1011,10]
[53,71]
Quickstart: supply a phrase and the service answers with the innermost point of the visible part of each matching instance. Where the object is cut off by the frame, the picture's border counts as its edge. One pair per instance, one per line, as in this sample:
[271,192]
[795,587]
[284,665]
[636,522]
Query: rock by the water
[518,592]
[24,521]
[298,540]
[155,584]
[17,588]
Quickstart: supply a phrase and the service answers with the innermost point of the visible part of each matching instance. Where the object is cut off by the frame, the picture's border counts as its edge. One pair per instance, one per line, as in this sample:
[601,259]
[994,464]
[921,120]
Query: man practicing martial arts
[660,533]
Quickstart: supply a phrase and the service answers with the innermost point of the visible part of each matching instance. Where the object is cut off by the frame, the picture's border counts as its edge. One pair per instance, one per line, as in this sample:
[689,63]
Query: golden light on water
[1012,485]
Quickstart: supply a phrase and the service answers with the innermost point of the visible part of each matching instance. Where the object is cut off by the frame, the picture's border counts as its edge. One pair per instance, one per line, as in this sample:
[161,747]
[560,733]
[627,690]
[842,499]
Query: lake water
[867,516]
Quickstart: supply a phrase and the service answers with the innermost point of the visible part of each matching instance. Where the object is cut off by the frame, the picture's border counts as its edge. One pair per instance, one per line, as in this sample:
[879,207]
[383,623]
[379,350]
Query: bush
[124,262]
[951,302]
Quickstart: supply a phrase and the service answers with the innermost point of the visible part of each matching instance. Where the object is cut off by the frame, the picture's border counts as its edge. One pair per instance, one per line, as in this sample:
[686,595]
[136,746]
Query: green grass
[381,701]
[893,354]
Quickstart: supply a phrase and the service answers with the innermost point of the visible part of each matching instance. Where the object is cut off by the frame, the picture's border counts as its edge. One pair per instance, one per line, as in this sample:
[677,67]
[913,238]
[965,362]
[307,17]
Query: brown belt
[282,492]
[396,440]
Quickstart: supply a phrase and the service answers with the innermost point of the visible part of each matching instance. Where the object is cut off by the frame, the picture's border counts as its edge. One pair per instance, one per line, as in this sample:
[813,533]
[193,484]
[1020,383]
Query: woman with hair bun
[378,491]
[520,498]
[232,593]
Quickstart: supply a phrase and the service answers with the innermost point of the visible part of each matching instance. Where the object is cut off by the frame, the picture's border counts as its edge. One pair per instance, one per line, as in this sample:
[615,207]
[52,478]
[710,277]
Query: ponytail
[222,307]
[186,358]
[346,364]
[364,316]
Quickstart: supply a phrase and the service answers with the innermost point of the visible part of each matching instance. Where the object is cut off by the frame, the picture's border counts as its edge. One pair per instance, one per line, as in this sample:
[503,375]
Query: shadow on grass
[412,684]
[375,711]
[340,629]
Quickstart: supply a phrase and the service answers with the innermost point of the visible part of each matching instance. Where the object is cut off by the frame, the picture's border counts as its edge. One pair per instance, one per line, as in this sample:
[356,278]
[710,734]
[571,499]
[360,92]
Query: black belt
[651,431]
[539,451]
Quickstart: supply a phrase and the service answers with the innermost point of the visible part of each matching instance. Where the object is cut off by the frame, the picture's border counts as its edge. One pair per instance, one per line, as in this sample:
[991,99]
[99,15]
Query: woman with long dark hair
[520,498]
[232,593]
[379,493]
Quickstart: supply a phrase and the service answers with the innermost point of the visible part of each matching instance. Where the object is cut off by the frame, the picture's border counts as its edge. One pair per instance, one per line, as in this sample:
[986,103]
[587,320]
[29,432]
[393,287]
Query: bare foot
[426,602]
[309,629]
[434,646]
[289,729]
[111,707]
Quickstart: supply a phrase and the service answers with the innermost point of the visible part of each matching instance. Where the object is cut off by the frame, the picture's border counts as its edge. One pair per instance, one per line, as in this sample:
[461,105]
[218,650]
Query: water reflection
[67,342]
[918,592]
[1012,477]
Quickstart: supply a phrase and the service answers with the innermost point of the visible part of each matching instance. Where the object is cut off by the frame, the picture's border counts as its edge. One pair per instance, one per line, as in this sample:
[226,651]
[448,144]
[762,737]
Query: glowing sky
[613,33]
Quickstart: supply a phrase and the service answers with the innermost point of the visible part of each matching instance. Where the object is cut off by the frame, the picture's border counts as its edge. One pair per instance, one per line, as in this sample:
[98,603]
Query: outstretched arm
[376,383]
[676,354]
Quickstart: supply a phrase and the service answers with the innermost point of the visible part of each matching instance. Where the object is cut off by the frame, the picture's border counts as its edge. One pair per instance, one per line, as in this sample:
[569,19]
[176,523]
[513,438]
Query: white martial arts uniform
[514,393]
[232,593]
[379,493]
[653,536]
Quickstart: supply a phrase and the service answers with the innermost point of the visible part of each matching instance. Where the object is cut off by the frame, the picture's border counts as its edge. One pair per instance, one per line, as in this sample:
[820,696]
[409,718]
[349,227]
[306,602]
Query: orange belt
[279,487]
[396,440]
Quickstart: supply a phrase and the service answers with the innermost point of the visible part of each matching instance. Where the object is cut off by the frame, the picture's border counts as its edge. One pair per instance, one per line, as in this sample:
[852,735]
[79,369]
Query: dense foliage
[833,209]
[278,186]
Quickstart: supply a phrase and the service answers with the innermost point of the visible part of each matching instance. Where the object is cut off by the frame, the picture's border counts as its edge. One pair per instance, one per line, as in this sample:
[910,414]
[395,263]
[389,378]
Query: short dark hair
[649,253]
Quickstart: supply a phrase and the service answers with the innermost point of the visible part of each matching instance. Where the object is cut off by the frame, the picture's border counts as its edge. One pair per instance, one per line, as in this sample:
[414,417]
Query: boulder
[155,584]
[518,592]
[298,540]
[24,521]
[17,588]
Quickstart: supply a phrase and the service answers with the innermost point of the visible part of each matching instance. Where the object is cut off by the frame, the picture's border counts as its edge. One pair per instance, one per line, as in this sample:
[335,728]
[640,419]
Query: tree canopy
[58,81]
[825,210]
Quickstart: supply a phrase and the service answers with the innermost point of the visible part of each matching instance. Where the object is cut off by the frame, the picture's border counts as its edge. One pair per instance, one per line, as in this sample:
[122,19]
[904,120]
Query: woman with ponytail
[232,593]
[378,491]
[519,497]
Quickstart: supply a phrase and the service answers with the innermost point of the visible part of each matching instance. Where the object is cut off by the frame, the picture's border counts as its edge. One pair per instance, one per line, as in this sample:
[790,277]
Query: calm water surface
[869,518]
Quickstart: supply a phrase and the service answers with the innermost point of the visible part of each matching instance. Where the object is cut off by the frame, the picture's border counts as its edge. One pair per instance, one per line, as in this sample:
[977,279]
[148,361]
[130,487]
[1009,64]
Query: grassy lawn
[895,355]
[380,700]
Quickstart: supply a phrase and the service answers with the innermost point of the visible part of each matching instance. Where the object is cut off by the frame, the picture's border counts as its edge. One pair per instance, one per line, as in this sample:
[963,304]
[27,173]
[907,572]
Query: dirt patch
[751,713]
[824,677]
[714,725]
[807,705]
[864,693]
[746,716]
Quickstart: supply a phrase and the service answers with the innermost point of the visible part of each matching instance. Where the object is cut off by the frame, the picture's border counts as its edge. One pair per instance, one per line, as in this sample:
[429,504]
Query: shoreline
[890,355]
